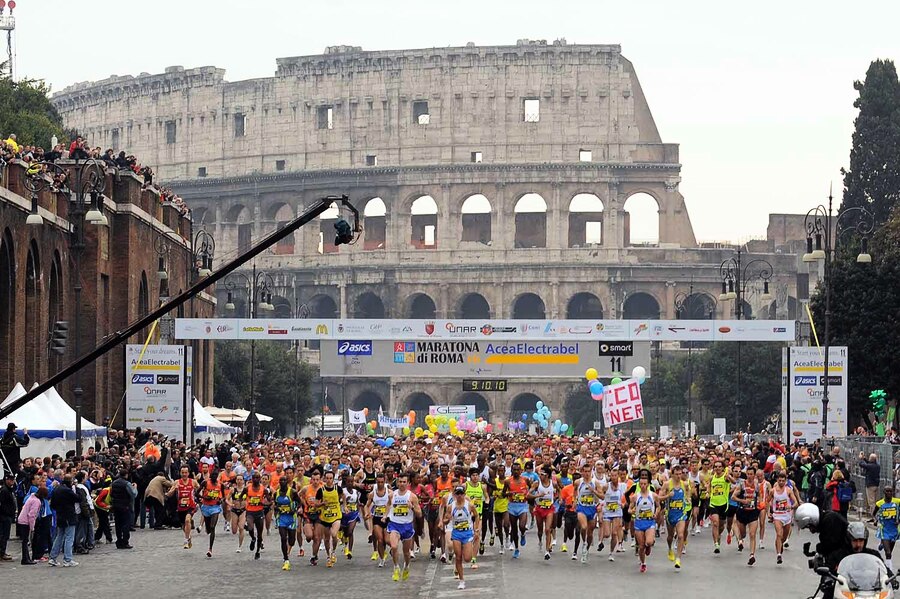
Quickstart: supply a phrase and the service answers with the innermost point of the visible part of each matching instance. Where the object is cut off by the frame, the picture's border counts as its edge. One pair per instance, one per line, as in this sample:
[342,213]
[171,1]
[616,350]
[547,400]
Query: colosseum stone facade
[495,181]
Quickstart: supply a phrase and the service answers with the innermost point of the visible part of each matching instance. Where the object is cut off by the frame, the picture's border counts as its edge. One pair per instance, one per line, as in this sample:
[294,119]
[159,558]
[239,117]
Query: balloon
[366,411]
[524,417]
[596,397]
[591,374]
[380,442]
[389,442]
[369,429]
[564,427]
[406,431]
[489,428]
[536,416]
[638,372]
[452,423]
[460,434]
[373,424]
[499,426]
[596,388]
[641,380]
[412,417]
[539,404]
[429,419]
[558,423]
[616,381]
[419,432]
[432,428]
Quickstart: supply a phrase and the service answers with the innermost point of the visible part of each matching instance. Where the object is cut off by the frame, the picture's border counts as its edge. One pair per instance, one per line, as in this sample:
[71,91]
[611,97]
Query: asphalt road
[158,567]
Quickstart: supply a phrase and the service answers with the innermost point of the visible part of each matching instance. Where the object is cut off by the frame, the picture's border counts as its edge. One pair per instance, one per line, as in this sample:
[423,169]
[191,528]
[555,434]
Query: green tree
[580,410]
[715,376]
[280,381]
[873,179]
[25,110]
[865,316]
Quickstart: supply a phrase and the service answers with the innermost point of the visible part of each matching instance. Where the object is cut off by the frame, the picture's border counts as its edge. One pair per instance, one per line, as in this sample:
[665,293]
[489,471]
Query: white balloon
[639,373]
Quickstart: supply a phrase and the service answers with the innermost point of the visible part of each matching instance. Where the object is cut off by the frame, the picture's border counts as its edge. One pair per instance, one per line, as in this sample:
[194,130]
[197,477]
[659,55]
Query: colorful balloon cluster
[542,416]
[448,425]
[373,424]
[596,388]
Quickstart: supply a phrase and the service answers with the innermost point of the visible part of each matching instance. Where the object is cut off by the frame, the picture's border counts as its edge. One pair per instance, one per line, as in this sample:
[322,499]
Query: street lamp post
[823,230]
[687,304]
[259,298]
[735,279]
[89,181]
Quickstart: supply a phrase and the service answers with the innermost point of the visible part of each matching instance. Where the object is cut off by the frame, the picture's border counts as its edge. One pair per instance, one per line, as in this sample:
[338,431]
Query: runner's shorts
[210,510]
[517,509]
[747,516]
[405,530]
[644,525]
[348,519]
[589,511]
[462,536]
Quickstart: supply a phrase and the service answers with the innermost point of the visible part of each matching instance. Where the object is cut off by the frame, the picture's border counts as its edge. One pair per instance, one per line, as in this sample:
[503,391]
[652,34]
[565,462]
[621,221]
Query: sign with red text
[622,403]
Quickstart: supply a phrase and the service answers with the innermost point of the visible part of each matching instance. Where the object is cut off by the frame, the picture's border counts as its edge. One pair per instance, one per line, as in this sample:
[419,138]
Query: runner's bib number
[401,510]
[545,503]
[645,515]
[380,511]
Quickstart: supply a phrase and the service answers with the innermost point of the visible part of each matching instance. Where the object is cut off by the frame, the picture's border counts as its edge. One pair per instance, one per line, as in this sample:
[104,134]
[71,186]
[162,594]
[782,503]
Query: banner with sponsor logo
[388,422]
[495,330]
[454,411]
[470,359]
[803,378]
[622,403]
[155,387]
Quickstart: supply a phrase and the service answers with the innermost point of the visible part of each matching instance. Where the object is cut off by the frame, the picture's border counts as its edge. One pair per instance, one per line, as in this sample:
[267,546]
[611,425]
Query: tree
[715,374]
[280,381]
[865,316]
[580,409]
[873,179]
[25,110]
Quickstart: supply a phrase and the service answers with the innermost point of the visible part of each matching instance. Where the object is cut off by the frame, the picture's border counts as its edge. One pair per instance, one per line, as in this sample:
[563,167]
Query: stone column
[502,222]
[342,288]
[443,307]
[446,234]
[553,216]
[669,309]
[552,311]
[613,231]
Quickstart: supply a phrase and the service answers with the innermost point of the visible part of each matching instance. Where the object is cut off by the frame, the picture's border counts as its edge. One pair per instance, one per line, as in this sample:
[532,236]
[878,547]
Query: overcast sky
[760,96]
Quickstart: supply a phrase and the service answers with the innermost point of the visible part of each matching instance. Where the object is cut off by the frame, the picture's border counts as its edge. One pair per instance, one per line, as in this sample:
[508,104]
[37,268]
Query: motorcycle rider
[833,539]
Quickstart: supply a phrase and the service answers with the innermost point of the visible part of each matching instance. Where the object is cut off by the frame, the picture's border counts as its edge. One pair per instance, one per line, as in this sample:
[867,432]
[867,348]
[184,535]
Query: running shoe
[583,557]
[208,554]
[574,557]
[492,541]
[671,555]
[786,545]
[314,560]
[301,553]
[717,550]
[481,548]
[69,564]
[611,558]
[779,561]
[752,560]
[522,540]
[564,549]
[443,558]
[252,544]
[381,563]
[643,568]
[740,546]
[462,585]
[516,554]
[501,549]
[349,555]
[678,564]
[286,566]
[474,565]
[256,555]
[547,555]
[405,574]
[238,550]
[346,550]
[396,576]
[329,561]
[190,543]
[432,553]
[52,562]
[761,545]
[511,546]
[728,539]
[600,548]
[186,545]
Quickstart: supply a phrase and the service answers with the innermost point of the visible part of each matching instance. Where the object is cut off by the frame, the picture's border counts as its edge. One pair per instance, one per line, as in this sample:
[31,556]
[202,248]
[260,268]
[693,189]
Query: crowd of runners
[455,499]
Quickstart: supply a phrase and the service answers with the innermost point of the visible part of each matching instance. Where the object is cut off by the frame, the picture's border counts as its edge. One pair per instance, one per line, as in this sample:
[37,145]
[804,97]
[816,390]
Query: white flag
[357,417]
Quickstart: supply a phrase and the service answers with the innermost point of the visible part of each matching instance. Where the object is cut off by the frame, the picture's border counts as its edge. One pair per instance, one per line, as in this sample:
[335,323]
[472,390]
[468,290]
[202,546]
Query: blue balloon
[558,423]
[524,417]
[600,388]
[596,388]
[539,404]
[380,442]
[389,442]
[641,380]
[546,410]
[564,427]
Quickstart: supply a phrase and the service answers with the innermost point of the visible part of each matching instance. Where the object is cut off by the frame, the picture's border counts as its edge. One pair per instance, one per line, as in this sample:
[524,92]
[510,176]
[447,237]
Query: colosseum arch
[584,306]
[368,305]
[696,306]
[641,214]
[322,306]
[523,403]
[423,223]
[469,398]
[283,307]
[420,402]
[374,224]
[369,399]
[199,216]
[531,221]
[473,306]
[475,215]
[420,306]
[528,306]
[241,219]
[278,216]
[585,220]
[641,306]
[326,229]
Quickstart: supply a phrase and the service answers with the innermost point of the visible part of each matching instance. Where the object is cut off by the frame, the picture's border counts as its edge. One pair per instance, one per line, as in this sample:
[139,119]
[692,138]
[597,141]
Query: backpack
[844,492]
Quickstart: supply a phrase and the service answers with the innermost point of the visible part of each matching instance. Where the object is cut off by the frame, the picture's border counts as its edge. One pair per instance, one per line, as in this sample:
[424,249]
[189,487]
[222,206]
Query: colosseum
[495,182]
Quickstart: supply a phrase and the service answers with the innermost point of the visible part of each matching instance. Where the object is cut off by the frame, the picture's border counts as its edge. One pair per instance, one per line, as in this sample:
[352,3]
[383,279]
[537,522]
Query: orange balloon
[412,418]
[374,424]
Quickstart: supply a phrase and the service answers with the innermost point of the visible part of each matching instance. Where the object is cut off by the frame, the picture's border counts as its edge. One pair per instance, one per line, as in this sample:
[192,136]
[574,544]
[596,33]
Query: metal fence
[888,458]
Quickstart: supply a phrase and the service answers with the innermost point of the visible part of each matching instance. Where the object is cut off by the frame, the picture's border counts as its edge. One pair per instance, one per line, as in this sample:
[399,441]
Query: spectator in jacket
[871,469]
[7,512]
[155,499]
[123,494]
[27,521]
[84,530]
[101,505]
[63,501]
[10,445]
[832,490]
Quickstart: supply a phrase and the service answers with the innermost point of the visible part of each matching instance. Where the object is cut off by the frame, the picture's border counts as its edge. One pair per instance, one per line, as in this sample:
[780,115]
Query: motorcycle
[859,576]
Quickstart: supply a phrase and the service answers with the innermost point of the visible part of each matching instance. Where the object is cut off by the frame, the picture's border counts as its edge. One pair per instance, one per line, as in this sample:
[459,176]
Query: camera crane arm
[111,341]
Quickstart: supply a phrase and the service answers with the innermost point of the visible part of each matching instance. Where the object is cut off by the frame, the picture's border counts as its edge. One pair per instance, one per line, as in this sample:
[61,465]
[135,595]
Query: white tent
[50,422]
[236,415]
[206,425]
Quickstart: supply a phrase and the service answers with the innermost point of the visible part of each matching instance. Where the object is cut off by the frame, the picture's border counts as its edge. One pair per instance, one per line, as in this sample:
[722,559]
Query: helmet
[858,530]
[807,515]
